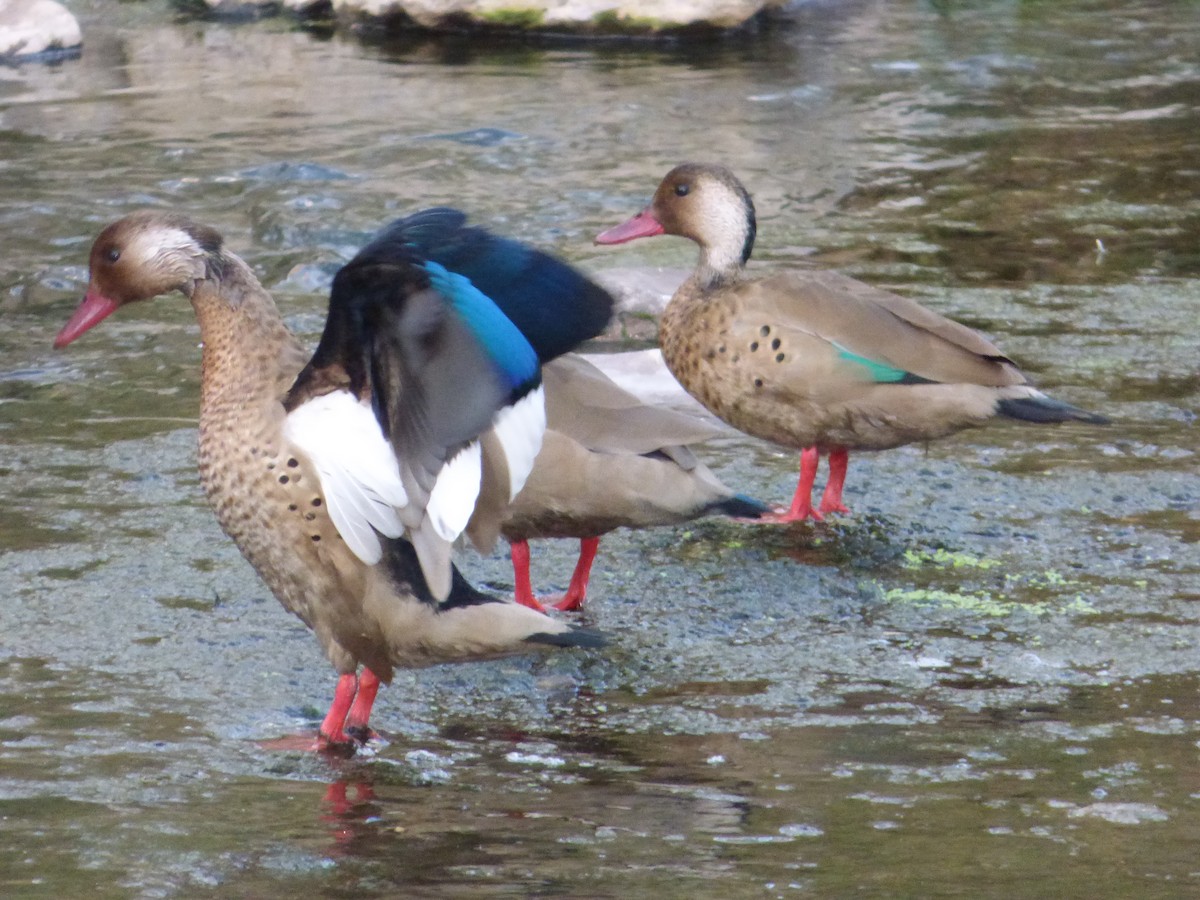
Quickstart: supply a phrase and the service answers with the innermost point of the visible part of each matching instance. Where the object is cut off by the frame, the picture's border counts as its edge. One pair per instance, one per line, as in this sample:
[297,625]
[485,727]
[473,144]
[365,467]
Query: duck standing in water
[344,478]
[815,360]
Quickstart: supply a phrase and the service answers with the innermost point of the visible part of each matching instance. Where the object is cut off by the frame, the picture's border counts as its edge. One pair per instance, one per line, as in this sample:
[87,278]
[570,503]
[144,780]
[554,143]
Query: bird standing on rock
[344,478]
[815,360]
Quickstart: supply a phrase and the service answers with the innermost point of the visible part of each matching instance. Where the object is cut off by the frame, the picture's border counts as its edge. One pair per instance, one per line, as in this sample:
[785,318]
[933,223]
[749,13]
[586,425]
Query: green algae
[917,559]
[985,604]
[514,17]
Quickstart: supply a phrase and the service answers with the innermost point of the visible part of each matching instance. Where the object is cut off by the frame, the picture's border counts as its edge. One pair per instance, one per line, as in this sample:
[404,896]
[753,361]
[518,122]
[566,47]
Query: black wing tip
[910,378]
[584,638]
[739,506]
[1047,410]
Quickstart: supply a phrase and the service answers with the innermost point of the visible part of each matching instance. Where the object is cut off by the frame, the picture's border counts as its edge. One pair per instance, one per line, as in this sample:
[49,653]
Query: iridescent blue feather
[551,303]
[507,347]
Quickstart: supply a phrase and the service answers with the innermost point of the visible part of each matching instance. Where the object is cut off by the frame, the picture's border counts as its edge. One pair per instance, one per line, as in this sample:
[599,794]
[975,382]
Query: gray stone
[595,16]
[30,27]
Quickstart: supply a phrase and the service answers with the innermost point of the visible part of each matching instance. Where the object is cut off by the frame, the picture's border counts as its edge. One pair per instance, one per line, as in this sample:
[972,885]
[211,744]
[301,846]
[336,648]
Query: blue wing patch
[513,355]
[554,306]
[881,373]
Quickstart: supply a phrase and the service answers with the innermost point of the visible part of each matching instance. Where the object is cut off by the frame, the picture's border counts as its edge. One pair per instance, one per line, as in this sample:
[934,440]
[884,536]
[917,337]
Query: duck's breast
[268,499]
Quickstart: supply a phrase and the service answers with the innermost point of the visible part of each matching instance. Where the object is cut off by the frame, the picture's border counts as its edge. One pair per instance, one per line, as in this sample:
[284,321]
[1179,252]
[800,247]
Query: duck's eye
[681,190]
[112,254]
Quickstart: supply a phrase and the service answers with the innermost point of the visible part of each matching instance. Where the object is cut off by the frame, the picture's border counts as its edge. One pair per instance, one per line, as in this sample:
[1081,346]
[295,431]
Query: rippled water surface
[983,683]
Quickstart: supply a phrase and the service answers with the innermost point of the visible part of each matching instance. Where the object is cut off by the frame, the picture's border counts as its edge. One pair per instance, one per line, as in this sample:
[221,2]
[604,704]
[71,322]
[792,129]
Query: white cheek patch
[519,429]
[359,476]
[453,497]
[725,215]
[154,243]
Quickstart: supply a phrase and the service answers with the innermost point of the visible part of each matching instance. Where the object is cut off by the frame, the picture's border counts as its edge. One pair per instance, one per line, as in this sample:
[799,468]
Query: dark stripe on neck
[751,224]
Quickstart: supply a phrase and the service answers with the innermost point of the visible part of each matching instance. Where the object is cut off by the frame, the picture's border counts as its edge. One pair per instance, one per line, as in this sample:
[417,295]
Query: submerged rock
[584,18]
[35,27]
[587,17]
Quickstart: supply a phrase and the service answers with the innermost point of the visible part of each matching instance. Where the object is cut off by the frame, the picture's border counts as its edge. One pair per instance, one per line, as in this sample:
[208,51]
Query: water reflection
[823,807]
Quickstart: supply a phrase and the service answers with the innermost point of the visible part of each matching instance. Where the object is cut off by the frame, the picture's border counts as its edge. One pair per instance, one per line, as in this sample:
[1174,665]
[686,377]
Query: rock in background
[586,16]
[36,27]
[595,18]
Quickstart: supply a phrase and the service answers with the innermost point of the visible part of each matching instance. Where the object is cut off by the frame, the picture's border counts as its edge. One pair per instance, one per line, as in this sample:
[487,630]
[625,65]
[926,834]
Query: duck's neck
[717,266]
[722,259]
[246,344]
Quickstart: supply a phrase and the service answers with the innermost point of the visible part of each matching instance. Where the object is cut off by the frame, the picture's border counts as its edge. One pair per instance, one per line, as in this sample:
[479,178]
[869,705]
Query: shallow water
[983,683]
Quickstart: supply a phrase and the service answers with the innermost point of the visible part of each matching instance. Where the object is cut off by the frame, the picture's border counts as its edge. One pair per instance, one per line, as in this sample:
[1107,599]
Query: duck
[607,461]
[814,360]
[344,476]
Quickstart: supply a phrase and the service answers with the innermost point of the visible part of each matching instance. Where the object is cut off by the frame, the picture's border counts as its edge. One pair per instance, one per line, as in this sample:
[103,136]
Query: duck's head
[704,203]
[138,257]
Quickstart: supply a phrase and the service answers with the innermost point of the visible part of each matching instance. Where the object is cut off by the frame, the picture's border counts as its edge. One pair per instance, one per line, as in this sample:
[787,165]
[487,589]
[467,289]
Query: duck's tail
[468,624]
[500,627]
[1037,407]
[739,506]
[574,636]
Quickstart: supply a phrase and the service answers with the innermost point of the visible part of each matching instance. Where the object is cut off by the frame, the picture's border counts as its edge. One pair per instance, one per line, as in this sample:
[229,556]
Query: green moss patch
[515,17]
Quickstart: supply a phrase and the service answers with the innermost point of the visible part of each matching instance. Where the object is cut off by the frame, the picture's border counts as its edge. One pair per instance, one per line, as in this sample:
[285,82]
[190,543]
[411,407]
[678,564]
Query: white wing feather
[453,497]
[520,428]
[356,466]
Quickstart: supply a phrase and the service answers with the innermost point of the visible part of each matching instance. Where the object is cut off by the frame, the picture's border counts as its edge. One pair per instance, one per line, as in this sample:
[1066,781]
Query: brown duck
[607,461]
[815,360]
[344,477]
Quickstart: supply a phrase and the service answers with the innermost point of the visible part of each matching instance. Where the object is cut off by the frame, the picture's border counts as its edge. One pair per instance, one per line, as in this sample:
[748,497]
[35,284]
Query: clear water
[981,684]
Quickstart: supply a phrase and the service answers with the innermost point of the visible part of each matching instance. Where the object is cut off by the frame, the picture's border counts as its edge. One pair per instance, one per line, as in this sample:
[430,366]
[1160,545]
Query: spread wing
[414,364]
[553,304]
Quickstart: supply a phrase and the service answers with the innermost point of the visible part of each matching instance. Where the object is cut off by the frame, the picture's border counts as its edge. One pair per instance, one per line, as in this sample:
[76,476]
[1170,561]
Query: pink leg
[577,589]
[331,731]
[360,710]
[522,586]
[831,500]
[801,508]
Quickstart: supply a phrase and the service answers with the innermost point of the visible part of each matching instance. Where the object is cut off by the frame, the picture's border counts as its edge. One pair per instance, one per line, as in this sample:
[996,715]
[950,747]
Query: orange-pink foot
[344,728]
[831,500]
[576,590]
[310,743]
[356,726]
[522,585]
[305,743]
